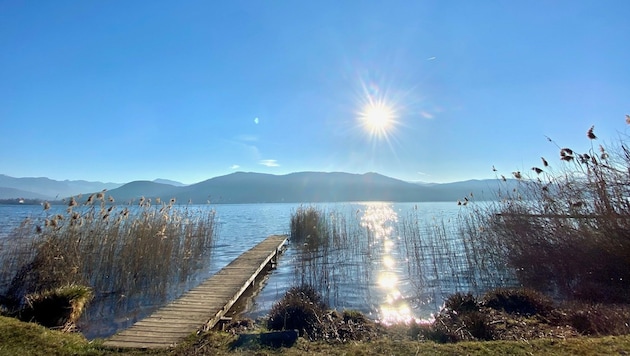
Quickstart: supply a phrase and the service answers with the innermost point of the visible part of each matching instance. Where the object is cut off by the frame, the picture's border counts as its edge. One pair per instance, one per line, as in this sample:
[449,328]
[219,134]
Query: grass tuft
[58,308]
[518,301]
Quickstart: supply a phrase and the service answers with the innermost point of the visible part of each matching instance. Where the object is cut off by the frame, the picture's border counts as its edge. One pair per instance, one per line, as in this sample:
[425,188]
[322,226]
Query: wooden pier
[202,307]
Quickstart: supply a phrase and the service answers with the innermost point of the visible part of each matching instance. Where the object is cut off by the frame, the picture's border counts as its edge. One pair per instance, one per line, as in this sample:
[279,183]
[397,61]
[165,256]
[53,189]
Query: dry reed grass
[566,230]
[437,257]
[445,256]
[329,252]
[129,256]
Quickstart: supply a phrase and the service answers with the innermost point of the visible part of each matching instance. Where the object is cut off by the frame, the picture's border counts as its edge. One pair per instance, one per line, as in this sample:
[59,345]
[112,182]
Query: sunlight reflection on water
[379,219]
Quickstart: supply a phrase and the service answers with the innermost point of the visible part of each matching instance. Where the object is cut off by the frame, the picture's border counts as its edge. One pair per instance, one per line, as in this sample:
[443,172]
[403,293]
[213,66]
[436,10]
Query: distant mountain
[46,188]
[12,193]
[168,181]
[242,187]
[142,188]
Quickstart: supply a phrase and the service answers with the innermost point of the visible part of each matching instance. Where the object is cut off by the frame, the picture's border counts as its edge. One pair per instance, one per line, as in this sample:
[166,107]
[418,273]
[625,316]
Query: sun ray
[378,118]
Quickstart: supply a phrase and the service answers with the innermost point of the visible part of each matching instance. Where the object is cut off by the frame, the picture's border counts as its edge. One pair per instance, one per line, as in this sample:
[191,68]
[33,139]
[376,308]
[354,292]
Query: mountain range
[248,187]
[46,188]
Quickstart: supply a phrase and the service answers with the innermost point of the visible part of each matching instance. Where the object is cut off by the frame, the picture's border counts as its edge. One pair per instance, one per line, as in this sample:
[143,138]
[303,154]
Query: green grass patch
[20,338]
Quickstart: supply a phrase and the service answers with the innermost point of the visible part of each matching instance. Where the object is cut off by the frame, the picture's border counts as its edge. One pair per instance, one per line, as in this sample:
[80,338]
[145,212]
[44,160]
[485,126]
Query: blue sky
[122,90]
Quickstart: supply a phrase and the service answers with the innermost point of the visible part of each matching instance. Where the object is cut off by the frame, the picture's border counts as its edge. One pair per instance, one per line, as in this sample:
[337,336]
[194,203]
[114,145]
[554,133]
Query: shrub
[477,324]
[300,309]
[354,316]
[518,301]
[597,319]
[453,327]
[432,333]
[461,303]
[460,319]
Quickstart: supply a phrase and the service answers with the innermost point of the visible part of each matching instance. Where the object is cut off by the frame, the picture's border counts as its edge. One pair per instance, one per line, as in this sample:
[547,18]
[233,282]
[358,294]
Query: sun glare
[378,114]
[378,119]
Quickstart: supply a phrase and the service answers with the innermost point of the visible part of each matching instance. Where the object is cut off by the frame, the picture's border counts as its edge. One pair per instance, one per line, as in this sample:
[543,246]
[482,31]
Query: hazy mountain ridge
[13,193]
[170,182]
[141,188]
[46,188]
[249,187]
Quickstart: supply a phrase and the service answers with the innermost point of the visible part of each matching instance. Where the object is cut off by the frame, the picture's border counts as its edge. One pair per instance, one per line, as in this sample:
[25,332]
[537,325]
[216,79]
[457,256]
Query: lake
[383,270]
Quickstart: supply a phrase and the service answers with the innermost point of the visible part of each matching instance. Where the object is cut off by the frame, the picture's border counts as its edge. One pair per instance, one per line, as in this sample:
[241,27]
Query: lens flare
[378,119]
[378,111]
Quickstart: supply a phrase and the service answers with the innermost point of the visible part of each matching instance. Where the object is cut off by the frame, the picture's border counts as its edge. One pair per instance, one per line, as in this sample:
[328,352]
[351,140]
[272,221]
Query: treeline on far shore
[19,201]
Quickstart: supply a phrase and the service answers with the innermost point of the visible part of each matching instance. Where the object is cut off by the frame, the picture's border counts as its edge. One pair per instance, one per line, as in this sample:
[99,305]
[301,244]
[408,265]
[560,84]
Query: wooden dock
[202,307]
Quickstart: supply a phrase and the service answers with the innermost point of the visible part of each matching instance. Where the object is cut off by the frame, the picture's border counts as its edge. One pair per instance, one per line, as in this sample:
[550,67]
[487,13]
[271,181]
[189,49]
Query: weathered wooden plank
[203,306]
[200,301]
[140,345]
[192,325]
[190,306]
[175,318]
[155,338]
[157,335]
[219,291]
[178,313]
[237,282]
[150,329]
[183,321]
[164,332]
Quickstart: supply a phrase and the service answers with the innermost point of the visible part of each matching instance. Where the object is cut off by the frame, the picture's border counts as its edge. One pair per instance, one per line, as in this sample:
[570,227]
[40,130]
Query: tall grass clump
[308,227]
[328,253]
[441,260]
[129,256]
[565,229]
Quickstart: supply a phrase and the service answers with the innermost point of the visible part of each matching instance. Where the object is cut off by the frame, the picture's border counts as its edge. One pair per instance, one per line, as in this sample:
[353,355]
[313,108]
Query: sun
[378,119]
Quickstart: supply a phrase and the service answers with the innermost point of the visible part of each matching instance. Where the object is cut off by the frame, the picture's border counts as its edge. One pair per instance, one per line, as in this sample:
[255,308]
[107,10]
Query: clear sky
[118,91]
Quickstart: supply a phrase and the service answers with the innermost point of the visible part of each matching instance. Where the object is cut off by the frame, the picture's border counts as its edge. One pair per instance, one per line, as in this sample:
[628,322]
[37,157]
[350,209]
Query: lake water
[375,272]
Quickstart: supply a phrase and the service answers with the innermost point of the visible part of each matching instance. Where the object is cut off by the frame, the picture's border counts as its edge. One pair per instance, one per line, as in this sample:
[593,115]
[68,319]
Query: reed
[329,252]
[444,255]
[565,229]
[375,247]
[130,256]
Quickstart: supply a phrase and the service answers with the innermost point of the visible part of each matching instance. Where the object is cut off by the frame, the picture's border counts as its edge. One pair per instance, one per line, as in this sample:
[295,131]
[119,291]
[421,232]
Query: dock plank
[203,306]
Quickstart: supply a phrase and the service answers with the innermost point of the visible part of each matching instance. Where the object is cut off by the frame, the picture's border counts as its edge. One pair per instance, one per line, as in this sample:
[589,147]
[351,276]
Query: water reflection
[379,220]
